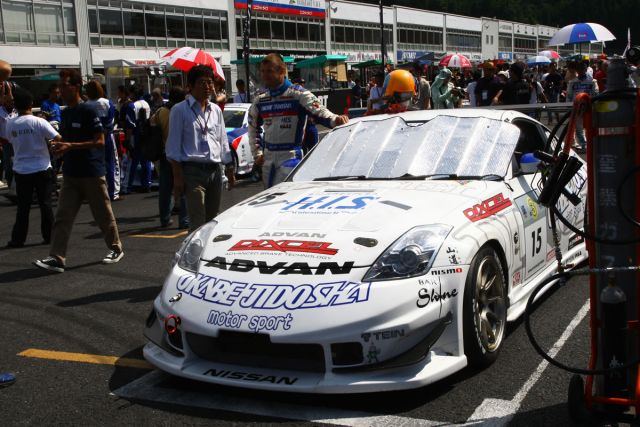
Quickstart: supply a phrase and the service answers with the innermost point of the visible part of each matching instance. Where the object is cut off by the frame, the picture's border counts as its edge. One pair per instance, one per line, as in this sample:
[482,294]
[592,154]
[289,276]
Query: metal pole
[245,50]
[382,45]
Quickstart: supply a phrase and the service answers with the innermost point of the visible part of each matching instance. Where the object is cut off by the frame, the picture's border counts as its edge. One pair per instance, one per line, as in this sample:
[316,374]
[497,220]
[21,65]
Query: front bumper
[387,338]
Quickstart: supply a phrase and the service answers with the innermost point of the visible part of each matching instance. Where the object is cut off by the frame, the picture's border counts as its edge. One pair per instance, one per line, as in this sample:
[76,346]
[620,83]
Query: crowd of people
[79,140]
[495,84]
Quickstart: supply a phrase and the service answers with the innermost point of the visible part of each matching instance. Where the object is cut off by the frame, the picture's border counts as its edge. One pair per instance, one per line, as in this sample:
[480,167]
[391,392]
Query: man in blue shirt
[84,176]
[50,108]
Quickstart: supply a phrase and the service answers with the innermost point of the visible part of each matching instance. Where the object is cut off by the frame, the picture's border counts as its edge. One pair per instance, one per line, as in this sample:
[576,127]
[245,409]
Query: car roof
[238,106]
[426,115]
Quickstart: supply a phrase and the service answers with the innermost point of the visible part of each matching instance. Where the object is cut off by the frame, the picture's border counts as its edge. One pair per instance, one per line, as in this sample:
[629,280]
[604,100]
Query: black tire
[236,162]
[484,308]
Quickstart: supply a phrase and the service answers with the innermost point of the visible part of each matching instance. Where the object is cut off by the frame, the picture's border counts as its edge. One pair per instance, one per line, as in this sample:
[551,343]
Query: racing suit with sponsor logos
[282,115]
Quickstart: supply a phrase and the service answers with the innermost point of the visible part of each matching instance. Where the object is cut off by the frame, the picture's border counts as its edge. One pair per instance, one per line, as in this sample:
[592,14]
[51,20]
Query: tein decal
[486,208]
[285,246]
[246,376]
[271,297]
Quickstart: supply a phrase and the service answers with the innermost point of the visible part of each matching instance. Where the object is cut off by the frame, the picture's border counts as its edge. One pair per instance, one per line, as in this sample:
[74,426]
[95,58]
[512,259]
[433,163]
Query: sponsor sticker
[281,268]
[487,208]
[382,335]
[269,245]
[452,254]
[444,271]
[516,279]
[248,376]
[272,296]
[254,323]
[329,204]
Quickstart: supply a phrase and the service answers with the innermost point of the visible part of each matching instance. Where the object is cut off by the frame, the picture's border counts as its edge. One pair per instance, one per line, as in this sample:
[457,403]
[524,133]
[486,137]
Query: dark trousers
[165,195]
[42,182]
[203,189]
[145,170]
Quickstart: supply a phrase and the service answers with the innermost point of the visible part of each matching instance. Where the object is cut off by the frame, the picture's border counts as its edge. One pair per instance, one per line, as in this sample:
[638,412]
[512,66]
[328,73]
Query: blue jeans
[165,198]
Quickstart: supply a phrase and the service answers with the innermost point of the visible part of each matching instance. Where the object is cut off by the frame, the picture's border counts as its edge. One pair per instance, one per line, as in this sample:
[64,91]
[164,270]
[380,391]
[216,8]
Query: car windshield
[445,147]
[233,118]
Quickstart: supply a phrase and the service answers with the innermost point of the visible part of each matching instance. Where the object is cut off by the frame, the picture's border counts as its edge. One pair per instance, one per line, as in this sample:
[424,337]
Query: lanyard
[204,128]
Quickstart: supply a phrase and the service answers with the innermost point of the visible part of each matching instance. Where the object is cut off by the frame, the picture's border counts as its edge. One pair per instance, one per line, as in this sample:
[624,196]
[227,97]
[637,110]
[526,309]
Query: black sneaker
[112,257]
[12,244]
[50,263]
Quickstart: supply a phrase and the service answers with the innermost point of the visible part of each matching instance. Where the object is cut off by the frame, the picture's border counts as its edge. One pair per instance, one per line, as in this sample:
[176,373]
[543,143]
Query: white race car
[393,256]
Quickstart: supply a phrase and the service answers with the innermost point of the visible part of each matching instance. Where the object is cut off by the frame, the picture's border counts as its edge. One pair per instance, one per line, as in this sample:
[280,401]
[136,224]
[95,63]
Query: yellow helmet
[399,84]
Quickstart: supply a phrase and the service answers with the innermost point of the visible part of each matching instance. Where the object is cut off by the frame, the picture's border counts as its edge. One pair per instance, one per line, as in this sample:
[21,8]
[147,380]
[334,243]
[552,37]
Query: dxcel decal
[269,245]
[281,268]
[486,208]
[270,297]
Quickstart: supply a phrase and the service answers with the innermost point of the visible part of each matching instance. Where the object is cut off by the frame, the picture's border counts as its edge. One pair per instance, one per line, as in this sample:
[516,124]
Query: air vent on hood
[365,241]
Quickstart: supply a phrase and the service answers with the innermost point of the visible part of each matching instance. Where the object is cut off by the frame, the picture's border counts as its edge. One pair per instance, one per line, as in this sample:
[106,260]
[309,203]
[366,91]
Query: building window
[155,25]
[133,23]
[195,29]
[110,22]
[175,26]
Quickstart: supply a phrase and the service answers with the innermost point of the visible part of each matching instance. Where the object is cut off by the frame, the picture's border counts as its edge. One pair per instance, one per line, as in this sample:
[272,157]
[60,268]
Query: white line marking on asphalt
[146,388]
[498,412]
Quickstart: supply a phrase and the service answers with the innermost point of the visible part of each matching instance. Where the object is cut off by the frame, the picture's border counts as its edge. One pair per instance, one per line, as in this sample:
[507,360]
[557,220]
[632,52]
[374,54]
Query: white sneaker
[112,257]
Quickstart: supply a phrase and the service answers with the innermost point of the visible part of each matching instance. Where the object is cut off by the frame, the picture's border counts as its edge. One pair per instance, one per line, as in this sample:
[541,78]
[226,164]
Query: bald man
[6,112]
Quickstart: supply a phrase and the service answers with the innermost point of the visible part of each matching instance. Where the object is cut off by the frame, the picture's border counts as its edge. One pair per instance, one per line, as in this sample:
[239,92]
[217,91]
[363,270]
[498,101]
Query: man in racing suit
[281,111]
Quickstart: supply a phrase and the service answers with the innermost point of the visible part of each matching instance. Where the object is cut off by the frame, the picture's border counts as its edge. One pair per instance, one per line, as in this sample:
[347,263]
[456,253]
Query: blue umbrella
[538,60]
[581,33]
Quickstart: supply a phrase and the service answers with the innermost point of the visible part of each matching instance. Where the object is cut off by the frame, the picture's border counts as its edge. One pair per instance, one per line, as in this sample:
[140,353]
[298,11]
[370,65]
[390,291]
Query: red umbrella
[185,58]
[455,61]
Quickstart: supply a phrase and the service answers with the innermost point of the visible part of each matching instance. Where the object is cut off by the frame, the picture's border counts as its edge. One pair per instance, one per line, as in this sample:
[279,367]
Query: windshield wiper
[340,178]
[449,176]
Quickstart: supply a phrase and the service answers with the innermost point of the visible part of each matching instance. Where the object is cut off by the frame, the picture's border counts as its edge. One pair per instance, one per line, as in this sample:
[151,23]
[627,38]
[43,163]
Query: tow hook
[171,324]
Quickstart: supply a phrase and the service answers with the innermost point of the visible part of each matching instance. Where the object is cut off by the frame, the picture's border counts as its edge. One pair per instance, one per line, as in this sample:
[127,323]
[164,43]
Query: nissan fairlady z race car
[392,256]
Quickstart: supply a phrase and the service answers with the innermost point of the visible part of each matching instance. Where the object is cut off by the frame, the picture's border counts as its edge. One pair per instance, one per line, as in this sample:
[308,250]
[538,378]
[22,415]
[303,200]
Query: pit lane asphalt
[101,309]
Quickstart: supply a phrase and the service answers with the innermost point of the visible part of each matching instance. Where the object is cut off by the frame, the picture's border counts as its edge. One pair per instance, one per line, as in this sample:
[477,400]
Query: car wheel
[236,162]
[484,308]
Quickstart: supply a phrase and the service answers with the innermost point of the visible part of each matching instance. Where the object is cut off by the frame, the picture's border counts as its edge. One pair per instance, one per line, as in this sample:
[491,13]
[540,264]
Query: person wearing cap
[399,91]
[488,89]
[442,90]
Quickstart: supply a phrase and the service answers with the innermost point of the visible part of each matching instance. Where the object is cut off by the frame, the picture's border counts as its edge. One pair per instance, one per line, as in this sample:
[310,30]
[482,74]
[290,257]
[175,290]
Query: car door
[535,239]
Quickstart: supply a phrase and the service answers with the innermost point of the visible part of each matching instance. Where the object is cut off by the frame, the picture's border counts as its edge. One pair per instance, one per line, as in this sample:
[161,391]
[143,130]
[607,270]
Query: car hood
[338,222]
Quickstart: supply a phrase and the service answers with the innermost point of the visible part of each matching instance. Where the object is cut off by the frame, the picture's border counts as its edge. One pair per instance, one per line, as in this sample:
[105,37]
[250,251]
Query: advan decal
[281,268]
[272,296]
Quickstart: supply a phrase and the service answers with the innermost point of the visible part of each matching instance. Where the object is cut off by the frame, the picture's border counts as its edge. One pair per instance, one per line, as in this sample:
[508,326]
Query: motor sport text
[329,202]
[285,246]
[246,376]
[270,297]
[281,268]
[486,208]
[255,323]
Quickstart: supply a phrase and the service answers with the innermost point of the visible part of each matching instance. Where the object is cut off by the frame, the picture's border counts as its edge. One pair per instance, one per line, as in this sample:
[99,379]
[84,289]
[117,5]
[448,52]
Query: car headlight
[411,255]
[188,256]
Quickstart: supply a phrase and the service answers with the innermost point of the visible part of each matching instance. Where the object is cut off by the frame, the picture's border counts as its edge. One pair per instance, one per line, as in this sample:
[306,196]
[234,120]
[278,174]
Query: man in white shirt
[197,146]
[241,96]
[29,136]
[376,94]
